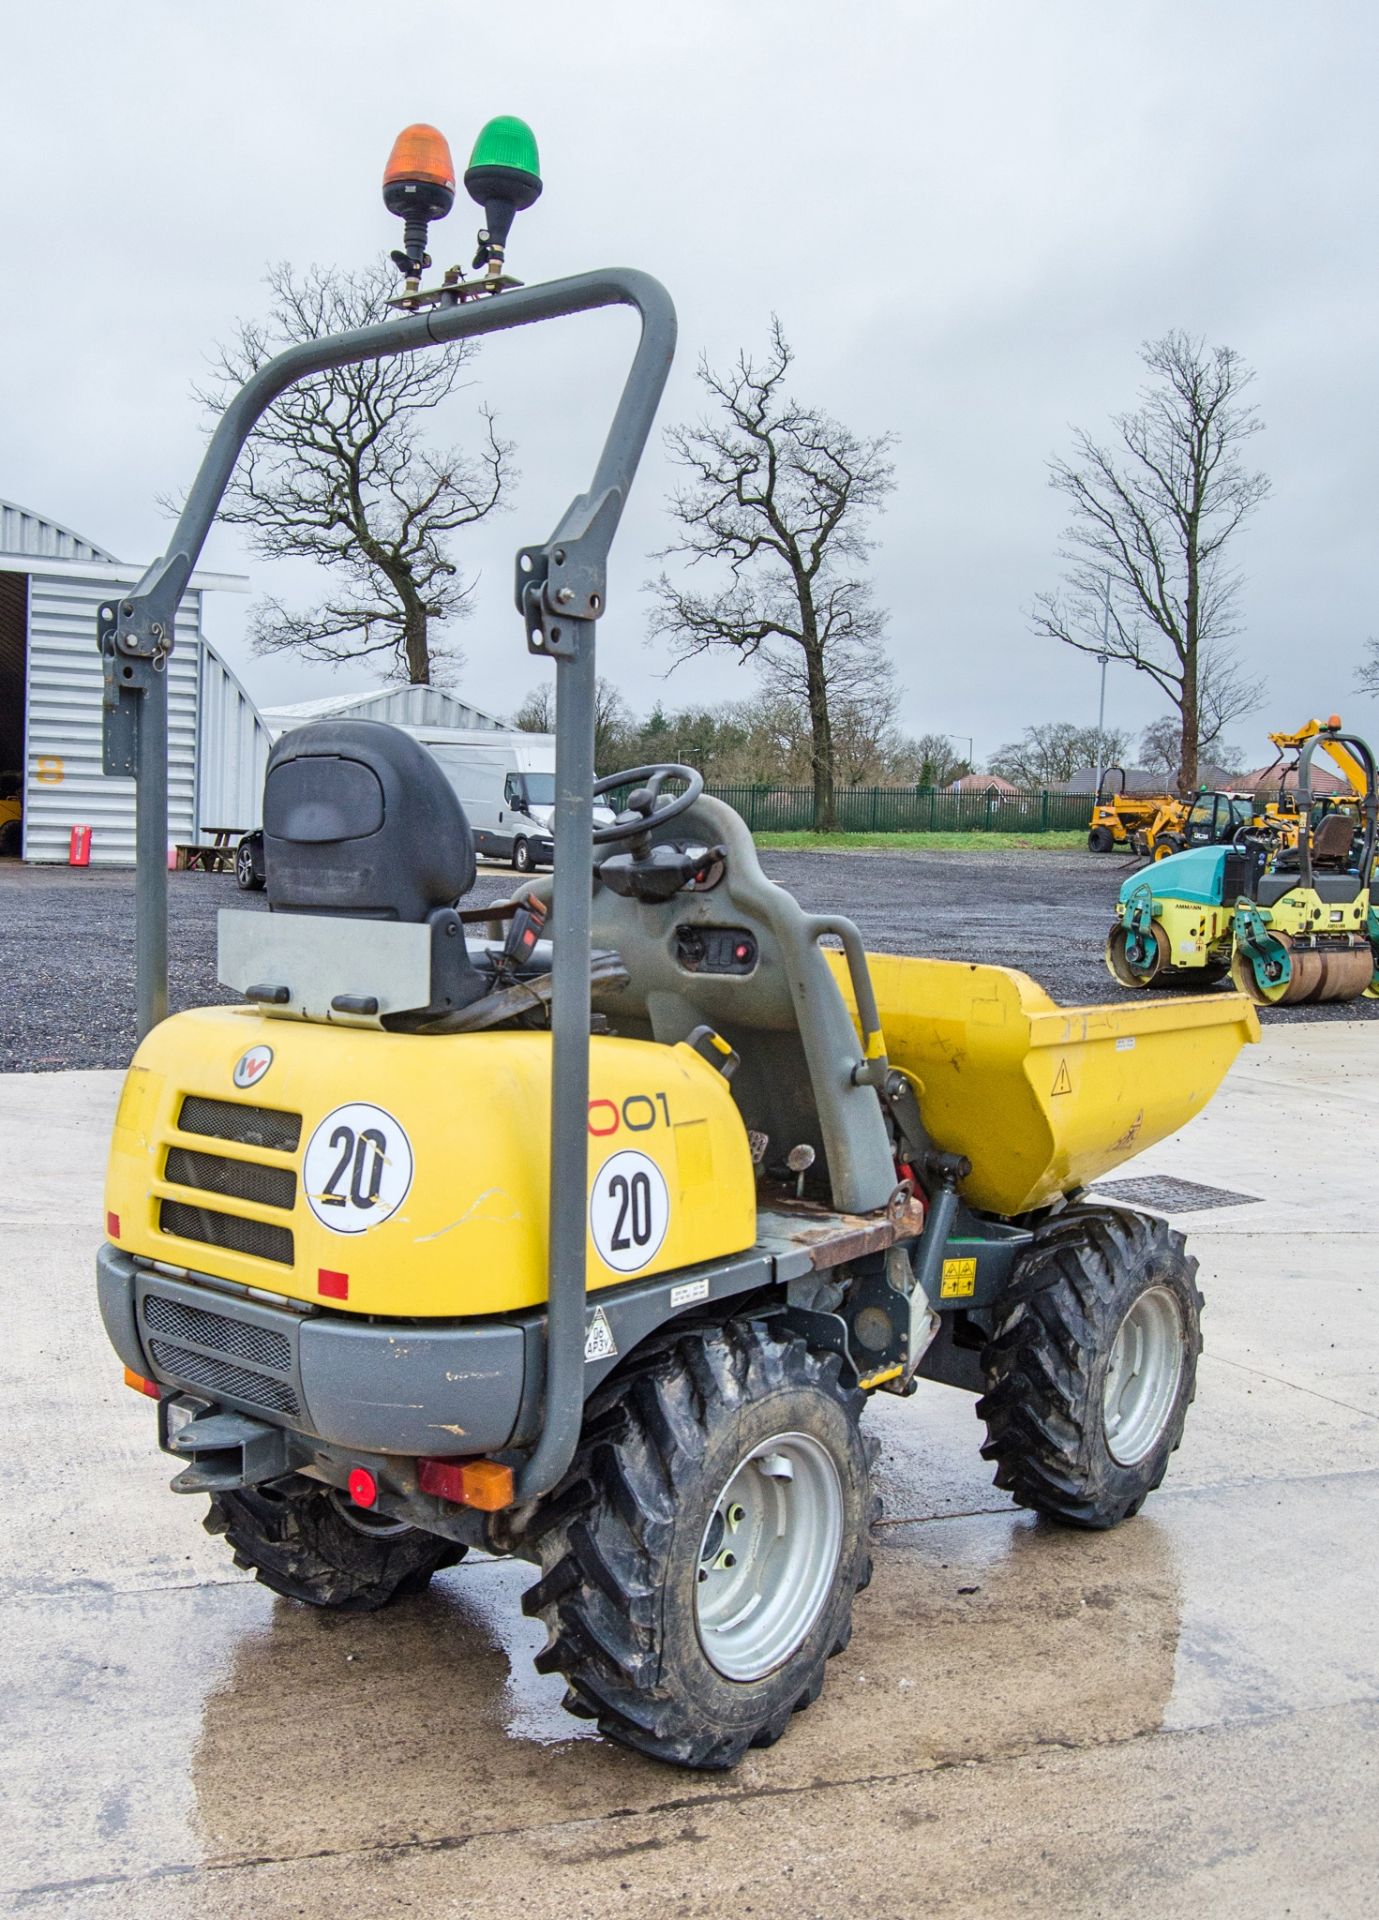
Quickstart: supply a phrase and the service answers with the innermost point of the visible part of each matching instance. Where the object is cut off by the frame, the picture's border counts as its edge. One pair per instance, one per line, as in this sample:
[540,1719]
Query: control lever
[524,930]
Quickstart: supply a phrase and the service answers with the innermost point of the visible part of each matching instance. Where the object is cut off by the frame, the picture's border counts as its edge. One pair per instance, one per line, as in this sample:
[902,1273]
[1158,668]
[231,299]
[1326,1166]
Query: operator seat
[360,821]
[1332,842]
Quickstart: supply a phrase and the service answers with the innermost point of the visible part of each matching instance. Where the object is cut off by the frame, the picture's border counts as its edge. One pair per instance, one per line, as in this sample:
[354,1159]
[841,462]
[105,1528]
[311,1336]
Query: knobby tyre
[689,1459]
[307,1542]
[1092,1365]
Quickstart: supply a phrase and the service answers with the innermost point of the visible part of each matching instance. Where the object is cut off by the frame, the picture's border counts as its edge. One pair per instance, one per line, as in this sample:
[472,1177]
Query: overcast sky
[967,215]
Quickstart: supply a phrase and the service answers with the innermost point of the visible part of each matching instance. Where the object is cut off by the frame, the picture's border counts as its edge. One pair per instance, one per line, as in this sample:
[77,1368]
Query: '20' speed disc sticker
[358,1168]
[629,1211]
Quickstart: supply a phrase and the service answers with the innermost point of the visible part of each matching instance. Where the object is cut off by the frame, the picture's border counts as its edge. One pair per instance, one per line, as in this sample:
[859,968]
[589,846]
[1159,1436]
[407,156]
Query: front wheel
[700,1558]
[1092,1365]
[310,1543]
[522,856]
[1100,840]
[1164,846]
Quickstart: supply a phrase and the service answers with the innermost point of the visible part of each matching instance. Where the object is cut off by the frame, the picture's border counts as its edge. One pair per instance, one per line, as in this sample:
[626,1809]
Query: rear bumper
[399,1387]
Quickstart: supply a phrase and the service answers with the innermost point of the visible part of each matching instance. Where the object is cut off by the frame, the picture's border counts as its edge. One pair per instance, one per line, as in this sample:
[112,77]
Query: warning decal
[599,1343]
[959,1280]
[1062,1080]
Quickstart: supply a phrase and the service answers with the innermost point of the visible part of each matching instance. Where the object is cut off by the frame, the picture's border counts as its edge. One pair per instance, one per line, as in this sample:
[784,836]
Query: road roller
[1288,914]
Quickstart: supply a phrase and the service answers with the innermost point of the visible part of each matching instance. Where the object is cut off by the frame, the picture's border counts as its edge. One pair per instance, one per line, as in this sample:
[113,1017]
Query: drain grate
[1167,1195]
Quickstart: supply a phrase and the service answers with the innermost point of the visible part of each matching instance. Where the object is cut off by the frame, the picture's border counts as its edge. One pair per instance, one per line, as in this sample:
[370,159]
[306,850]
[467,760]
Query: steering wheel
[1252,839]
[645,808]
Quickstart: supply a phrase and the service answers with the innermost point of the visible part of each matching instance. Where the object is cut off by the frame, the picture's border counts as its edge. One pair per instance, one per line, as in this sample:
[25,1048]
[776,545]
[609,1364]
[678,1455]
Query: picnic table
[216,855]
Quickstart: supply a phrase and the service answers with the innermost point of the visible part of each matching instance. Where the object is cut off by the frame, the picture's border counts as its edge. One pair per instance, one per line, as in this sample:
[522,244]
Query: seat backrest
[1332,841]
[358,819]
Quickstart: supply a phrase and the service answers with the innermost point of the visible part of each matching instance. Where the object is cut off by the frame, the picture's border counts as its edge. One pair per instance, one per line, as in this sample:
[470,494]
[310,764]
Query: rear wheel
[247,876]
[1093,1365]
[311,1543]
[700,1557]
[1100,840]
[522,856]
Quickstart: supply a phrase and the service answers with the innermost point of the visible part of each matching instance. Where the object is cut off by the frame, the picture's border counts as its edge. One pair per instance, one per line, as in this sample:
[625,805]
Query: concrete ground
[1178,1718]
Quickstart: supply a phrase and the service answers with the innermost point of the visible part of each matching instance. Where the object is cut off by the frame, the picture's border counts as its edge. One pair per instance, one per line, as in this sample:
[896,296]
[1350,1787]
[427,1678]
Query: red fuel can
[79,848]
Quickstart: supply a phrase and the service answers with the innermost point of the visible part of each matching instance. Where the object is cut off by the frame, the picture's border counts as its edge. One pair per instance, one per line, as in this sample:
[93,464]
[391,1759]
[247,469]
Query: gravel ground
[67,939]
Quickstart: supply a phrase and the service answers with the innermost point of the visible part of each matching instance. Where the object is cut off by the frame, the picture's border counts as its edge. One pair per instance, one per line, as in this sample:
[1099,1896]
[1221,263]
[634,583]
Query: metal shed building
[51,583]
[400,706]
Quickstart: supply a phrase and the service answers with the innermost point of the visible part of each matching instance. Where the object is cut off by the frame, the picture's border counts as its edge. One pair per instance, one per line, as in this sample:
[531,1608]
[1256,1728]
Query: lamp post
[1103,657]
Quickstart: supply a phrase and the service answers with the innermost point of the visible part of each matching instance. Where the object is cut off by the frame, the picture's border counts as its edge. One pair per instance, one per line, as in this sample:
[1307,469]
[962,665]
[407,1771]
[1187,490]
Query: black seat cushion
[358,819]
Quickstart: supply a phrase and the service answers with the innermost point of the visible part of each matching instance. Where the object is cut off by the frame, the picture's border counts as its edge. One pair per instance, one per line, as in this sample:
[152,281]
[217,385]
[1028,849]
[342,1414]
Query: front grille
[235,1179]
[263,1345]
[219,1377]
[254,1237]
[250,1126]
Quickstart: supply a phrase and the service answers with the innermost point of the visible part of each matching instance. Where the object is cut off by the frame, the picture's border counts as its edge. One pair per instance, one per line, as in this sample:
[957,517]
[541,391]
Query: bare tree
[1367,673]
[1161,749]
[934,762]
[537,712]
[776,506]
[337,471]
[1153,516]
[1047,755]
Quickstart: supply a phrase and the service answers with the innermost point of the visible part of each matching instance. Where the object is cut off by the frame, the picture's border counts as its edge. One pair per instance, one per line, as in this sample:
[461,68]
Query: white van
[506,784]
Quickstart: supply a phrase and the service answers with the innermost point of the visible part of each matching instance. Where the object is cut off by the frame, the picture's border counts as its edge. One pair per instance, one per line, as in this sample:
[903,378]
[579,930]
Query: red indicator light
[742,951]
[363,1488]
[140,1385]
[443,1478]
[469,1483]
[112,1225]
[332,1286]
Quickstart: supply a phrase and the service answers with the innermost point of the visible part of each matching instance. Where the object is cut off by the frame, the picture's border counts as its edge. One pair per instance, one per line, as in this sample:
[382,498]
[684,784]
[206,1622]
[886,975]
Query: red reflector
[112,1225]
[363,1487]
[334,1286]
[140,1385]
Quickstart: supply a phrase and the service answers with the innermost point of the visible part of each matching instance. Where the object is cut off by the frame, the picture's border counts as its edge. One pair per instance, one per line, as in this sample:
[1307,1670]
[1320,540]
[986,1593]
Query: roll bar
[1369,799]
[561,590]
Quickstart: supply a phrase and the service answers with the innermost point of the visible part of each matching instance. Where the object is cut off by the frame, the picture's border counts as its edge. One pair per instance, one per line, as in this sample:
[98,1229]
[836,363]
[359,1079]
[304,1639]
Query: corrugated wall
[422,707]
[64,785]
[24,532]
[234,750]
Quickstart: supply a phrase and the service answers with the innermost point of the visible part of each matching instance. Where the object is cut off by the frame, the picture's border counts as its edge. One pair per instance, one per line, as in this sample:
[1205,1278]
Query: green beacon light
[503,177]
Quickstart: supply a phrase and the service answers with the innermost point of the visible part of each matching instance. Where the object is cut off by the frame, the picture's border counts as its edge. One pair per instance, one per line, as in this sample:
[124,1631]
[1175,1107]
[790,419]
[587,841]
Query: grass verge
[924,842]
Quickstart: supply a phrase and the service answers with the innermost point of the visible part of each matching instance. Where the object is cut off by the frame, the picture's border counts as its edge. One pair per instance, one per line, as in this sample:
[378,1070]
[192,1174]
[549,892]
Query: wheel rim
[245,864]
[1142,1378]
[769,1556]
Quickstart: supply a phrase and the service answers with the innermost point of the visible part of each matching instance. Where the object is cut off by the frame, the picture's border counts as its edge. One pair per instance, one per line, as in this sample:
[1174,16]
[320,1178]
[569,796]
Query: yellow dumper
[583,1228]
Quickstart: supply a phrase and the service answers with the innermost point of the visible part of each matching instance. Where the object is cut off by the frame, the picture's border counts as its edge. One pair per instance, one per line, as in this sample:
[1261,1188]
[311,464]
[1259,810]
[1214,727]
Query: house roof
[1272,776]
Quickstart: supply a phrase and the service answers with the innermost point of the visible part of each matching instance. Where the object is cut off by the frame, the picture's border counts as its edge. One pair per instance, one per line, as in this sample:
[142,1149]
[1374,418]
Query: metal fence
[911,810]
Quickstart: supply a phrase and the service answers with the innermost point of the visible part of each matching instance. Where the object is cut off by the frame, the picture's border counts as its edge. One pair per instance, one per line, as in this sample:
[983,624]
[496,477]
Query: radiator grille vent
[235,1179]
[240,1338]
[220,1377]
[255,1237]
[250,1126]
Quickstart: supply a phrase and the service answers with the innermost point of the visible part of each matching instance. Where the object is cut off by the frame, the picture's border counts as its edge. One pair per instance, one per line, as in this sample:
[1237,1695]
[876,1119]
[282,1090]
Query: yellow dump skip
[1040,1097]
